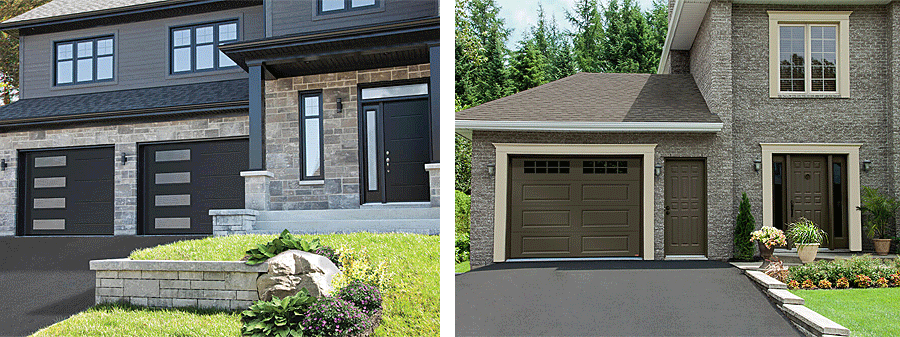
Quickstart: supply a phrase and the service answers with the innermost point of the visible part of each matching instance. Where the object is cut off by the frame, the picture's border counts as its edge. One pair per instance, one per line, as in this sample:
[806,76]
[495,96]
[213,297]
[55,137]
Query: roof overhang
[167,112]
[465,127]
[379,46]
[687,15]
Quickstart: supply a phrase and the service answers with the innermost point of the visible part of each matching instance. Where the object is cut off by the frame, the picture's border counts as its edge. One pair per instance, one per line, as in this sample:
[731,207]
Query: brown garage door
[574,207]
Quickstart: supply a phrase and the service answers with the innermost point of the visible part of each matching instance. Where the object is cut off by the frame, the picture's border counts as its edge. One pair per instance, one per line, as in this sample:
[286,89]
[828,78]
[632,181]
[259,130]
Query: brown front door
[574,207]
[685,207]
[808,196]
[813,187]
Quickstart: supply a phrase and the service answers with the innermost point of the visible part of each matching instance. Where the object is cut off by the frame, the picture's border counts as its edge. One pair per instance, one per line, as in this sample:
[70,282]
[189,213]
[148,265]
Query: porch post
[257,111]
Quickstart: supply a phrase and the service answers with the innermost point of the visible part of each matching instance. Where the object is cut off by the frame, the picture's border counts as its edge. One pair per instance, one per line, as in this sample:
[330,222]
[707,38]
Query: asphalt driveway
[614,298]
[47,279]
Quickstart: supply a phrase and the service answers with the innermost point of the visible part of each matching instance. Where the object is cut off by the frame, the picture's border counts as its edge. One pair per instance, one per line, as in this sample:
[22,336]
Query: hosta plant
[278,317]
[284,242]
[769,236]
[332,316]
[366,297]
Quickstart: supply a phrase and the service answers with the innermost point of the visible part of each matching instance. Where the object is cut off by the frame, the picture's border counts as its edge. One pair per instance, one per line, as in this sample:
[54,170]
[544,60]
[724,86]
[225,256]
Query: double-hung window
[312,149]
[809,54]
[338,6]
[84,61]
[195,48]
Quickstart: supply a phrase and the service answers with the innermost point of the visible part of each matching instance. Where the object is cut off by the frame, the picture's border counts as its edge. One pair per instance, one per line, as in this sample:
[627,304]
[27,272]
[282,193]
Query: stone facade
[340,187]
[232,221]
[125,138]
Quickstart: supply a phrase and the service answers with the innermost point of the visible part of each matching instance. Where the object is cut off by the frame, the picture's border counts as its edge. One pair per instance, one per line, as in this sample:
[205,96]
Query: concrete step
[395,205]
[417,226]
[350,214]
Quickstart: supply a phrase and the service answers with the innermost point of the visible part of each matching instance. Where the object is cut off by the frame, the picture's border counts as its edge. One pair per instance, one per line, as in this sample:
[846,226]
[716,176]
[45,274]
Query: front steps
[369,218]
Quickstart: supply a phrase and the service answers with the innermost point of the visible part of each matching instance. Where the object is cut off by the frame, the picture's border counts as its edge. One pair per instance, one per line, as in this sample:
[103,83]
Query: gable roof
[590,99]
[57,8]
[176,99]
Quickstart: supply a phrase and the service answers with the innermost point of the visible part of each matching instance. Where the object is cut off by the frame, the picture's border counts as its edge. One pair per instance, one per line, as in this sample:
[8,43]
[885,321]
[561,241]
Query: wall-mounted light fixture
[3,164]
[757,165]
[657,170]
[340,106]
[867,164]
[491,168]
[124,158]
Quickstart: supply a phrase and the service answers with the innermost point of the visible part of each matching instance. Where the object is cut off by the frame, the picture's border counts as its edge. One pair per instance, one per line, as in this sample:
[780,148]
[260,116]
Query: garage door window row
[546,166]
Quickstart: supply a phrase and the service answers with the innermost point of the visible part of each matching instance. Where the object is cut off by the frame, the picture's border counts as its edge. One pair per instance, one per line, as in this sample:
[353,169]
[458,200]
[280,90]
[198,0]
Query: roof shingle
[58,8]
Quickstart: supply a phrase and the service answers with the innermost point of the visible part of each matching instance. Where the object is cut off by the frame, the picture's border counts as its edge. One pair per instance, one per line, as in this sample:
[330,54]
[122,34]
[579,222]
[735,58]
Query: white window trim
[841,19]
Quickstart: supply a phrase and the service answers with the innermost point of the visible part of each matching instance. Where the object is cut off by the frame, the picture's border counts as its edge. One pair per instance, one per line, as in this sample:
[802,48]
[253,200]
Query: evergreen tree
[624,49]
[480,52]
[743,248]
[588,36]
[658,25]
[463,164]
[528,66]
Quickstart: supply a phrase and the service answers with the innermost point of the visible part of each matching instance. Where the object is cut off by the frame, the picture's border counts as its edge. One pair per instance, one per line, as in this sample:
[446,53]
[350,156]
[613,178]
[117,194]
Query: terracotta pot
[882,246]
[807,252]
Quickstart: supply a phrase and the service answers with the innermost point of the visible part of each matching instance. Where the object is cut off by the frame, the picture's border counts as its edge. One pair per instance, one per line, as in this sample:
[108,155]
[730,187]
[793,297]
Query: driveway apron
[614,298]
[47,279]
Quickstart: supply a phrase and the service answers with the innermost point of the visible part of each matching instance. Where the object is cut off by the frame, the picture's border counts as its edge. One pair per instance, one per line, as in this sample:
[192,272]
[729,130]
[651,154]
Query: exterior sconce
[491,168]
[124,158]
[867,164]
[757,165]
[657,170]
[340,106]
[3,164]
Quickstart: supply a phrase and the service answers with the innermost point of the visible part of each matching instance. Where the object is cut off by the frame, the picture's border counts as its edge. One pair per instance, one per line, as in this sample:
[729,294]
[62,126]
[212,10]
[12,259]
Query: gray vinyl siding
[294,17]
[142,54]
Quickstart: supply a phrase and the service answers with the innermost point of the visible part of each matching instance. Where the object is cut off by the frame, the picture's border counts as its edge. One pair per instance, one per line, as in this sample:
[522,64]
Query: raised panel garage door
[181,182]
[67,192]
[574,207]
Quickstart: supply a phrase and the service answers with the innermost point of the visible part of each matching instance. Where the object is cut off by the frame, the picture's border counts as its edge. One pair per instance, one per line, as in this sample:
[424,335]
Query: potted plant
[768,238]
[807,237]
[879,213]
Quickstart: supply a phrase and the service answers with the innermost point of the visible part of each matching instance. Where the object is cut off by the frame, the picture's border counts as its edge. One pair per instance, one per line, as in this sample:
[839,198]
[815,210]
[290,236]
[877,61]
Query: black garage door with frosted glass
[181,182]
[67,192]
[574,207]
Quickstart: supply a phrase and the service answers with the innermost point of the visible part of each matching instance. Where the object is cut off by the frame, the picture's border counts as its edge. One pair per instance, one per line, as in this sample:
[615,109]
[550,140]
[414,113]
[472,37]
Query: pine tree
[588,36]
[743,248]
[528,67]
[480,52]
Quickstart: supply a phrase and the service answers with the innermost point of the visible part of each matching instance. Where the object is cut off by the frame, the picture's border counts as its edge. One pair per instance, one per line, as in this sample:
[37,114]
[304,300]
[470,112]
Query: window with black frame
[195,48]
[312,149]
[84,61]
[338,6]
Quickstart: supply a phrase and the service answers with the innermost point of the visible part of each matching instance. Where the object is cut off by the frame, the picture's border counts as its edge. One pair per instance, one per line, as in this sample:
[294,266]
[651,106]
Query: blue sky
[521,14]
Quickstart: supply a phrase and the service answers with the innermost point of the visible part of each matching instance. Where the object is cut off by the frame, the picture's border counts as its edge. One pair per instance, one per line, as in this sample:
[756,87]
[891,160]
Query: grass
[129,320]
[411,306]
[463,267]
[866,312]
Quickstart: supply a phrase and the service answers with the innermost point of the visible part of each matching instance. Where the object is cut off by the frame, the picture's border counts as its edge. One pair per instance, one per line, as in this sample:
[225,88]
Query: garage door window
[605,167]
[546,166]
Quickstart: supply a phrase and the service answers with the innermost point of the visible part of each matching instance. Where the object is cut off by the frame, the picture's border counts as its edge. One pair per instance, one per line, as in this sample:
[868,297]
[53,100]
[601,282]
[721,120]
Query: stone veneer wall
[206,284]
[669,145]
[340,188]
[125,138]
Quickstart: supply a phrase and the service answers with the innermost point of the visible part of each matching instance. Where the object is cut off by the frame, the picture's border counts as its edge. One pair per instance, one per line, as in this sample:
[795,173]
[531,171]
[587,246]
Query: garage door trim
[501,183]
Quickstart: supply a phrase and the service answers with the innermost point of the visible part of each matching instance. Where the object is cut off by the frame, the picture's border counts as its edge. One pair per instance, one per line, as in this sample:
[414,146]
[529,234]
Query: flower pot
[765,253]
[807,252]
[882,246]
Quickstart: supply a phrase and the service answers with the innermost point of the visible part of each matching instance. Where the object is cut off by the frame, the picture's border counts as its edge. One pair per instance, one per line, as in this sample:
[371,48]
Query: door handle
[792,208]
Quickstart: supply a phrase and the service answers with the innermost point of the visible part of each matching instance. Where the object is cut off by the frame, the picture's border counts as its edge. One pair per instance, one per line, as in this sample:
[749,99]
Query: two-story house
[149,116]
[794,104]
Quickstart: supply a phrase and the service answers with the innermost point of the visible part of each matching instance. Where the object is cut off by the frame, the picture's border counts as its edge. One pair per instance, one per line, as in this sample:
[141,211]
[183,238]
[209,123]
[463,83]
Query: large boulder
[294,269]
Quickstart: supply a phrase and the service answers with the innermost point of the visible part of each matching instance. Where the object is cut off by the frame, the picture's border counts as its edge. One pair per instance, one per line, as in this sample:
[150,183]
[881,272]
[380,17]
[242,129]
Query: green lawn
[866,312]
[411,308]
[463,267]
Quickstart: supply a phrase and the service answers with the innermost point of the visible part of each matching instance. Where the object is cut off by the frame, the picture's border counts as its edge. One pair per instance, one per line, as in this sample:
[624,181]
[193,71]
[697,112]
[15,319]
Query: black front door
[397,144]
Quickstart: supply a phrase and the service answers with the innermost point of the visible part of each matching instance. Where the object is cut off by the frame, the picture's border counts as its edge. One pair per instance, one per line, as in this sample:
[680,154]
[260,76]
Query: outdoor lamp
[491,168]
[867,164]
[757,165]
[657,170]
[340,106]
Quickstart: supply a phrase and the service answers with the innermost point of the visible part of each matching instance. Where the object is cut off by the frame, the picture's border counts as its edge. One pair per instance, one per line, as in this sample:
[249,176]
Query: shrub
[334,317]
[793,284]
[805,231]
[285,241]
[463,164]
[366,297]
[743,247]
[778,271]
[463,208]
[895,279]
[331,254]
[842,283]
[359,267]
[808,284]
[878,210]
[881,282]
[278,317]
[462,247]
[863,281]
[824,284]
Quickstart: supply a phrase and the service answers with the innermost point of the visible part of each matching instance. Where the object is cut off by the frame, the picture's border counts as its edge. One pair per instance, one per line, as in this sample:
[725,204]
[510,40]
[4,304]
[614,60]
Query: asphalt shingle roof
[71,7]
[592,97]
[126,100]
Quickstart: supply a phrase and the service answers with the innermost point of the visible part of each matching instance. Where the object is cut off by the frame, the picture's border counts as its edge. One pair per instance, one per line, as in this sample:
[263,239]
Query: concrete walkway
[622,298]
[46,279]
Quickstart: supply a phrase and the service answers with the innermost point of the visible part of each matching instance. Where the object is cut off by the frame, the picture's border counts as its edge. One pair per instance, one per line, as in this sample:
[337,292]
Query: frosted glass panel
[372,150]
[85,70]
[311,151]
[182,60]
[64,52]
[331,5]
[395,91]
[105,47]
[204,35]
[64,72]
[361,3]
[85,49]
[181,37]
[104,68]
[205,56]
[311,106]
[228,32]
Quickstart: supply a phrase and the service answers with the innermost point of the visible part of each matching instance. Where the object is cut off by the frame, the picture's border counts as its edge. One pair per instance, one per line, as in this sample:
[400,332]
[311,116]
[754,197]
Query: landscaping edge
[806,320]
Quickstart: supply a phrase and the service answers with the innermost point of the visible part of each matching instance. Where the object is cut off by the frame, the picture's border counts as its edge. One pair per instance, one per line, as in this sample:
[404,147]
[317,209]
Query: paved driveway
[620,298]
[44,280]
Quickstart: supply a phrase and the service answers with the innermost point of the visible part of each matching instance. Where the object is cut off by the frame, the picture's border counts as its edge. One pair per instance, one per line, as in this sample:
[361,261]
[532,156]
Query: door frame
[705,208]
[851,150]
[362,104]
[501,183]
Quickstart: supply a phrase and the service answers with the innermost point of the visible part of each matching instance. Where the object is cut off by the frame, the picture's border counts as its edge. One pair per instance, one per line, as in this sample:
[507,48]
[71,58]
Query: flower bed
[856,272]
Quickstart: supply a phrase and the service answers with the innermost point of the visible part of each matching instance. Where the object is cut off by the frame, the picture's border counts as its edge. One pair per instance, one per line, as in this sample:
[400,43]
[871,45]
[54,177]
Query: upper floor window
[84,61]
[337,6]
[809,53]
[195,48]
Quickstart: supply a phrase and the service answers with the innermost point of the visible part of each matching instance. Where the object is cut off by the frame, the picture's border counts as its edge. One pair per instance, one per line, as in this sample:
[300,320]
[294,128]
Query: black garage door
[67,192]
[181,182]
[574,207]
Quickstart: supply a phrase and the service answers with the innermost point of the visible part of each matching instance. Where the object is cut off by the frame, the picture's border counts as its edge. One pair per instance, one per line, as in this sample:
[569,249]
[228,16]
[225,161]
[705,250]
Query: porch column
[435,94]
[257,111]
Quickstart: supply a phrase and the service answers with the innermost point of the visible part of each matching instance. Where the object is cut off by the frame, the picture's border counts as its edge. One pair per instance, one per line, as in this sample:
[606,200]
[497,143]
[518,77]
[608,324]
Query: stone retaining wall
[228,285]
